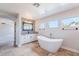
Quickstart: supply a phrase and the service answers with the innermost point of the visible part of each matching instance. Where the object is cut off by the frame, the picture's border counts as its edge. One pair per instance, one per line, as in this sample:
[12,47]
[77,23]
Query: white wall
[6,31]
[71,37]
[18,30]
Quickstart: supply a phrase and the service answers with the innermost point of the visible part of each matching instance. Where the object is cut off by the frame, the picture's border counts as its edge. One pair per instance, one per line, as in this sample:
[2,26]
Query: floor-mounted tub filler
[51,45]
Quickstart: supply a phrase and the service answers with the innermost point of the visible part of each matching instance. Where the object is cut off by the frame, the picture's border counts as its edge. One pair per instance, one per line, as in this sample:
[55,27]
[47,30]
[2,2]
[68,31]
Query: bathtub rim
[48,39]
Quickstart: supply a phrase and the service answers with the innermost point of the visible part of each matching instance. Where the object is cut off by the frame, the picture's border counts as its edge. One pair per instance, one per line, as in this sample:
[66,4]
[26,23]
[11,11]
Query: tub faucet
[50,35]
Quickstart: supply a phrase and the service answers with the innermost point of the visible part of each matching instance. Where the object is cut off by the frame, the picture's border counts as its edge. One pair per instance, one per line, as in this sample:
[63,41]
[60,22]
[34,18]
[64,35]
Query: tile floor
[9,50]
[31,49]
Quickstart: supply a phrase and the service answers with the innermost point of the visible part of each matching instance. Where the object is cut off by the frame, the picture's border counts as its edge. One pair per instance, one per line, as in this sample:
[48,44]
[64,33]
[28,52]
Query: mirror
[27,26]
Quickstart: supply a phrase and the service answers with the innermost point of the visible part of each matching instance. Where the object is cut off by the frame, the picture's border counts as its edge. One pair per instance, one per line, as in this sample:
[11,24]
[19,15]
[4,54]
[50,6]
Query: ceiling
[27,10]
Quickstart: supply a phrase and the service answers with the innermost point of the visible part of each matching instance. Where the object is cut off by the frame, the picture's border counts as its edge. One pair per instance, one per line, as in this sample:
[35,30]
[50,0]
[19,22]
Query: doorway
[6,32]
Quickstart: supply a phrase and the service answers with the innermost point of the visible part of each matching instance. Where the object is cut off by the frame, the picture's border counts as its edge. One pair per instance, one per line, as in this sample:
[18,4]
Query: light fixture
[3,23]
[36,4]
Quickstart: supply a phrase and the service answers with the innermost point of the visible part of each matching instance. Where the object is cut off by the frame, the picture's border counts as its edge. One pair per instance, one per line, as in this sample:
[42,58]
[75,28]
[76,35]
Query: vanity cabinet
[26,38]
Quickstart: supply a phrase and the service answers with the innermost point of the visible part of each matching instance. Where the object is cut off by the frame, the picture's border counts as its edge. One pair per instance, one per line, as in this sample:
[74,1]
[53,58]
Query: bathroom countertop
[24,33]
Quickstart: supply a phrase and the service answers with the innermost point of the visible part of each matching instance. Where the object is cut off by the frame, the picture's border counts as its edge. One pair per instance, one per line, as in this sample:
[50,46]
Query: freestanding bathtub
[51,45]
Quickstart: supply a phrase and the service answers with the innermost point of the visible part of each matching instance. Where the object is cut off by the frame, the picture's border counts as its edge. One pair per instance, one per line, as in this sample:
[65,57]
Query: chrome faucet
[50,35]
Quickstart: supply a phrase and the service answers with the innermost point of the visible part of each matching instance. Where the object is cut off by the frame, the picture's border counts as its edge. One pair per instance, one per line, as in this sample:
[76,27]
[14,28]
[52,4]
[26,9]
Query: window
[53,24]
[42,26]
[70,22]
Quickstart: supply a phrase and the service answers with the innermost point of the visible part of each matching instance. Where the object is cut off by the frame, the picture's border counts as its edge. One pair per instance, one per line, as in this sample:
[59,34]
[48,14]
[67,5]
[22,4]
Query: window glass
[53,24]
[70,22]
[42,26]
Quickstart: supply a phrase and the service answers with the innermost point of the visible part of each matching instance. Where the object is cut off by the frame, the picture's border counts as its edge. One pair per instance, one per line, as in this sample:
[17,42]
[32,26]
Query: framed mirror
[27,26]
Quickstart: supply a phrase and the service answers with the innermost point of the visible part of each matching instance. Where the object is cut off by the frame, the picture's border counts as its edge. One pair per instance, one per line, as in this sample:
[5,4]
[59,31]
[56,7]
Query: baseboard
[73,50]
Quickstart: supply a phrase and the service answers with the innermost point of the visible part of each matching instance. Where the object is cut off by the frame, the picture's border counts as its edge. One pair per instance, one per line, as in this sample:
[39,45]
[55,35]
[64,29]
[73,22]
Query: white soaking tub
[51,45]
